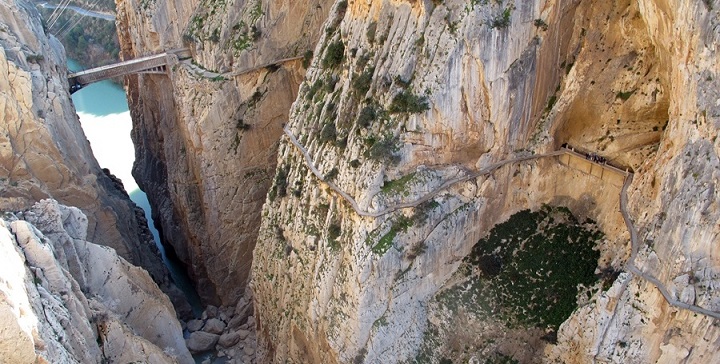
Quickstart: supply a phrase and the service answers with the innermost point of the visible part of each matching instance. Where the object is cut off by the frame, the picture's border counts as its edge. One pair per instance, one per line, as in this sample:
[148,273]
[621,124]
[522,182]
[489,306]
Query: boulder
[211,311]
[243,334]
[214,326]
[228,311]
[236,322]
[200,341]
[195,325]
[229,339]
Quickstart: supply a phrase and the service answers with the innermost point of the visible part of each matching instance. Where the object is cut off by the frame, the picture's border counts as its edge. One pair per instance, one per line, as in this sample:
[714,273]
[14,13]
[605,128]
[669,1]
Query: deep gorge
[374,197]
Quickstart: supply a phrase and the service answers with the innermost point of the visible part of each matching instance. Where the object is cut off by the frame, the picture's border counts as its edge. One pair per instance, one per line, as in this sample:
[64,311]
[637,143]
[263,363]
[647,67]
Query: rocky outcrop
[43,150]
[404,96]
[207,148]
[68,300]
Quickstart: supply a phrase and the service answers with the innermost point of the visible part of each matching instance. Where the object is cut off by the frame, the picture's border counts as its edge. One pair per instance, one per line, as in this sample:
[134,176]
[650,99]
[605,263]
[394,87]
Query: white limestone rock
[64,313]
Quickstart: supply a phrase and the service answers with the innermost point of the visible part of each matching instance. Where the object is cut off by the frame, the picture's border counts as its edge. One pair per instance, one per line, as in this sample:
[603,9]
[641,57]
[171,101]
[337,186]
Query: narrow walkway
[404,205]
[630,265]
[635,248]
[225,75]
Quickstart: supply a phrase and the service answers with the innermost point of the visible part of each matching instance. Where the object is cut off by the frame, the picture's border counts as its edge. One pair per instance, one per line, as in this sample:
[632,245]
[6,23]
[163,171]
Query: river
[105,119]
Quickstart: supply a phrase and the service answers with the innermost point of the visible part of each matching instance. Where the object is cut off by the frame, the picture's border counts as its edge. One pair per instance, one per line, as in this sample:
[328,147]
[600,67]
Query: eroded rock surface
[403,96]
[43,150]
[68,300]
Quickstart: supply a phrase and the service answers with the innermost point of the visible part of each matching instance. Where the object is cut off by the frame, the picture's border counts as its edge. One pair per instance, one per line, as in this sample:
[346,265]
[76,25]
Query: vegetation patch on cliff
[523,277]
[532,264]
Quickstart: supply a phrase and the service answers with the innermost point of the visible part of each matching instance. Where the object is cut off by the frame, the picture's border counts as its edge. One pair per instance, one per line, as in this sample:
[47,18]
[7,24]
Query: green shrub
[316,86]
[502,20]
[362,83]
[279,188]
[334,55]
[539,23]
[398,185]
[385,150]
[624,95]
[328,132]
[35,58]
[334,231]
[401,224]
[370,33]
[533,264]
[551,103]
[407,102]
[331,175]
[366,117]
[421,212]
[242,125]
[307,58]
[330,82]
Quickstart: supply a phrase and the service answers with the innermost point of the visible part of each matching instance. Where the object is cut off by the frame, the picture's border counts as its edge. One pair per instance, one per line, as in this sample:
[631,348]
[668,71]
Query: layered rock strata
[67,300]
[43,150]
[403,96]
[207,147]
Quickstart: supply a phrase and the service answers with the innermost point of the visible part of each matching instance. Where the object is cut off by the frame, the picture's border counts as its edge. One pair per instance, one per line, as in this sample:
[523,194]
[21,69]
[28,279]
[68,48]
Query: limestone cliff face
[403,96]
[67,300]
[43,150]
[207,148]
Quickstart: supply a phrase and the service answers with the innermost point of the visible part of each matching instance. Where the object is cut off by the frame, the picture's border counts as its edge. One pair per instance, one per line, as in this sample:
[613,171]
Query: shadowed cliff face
[206,147]
[43,150]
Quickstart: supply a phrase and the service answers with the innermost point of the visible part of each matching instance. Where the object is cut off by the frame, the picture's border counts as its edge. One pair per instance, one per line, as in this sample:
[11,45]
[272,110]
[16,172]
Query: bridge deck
[153,64]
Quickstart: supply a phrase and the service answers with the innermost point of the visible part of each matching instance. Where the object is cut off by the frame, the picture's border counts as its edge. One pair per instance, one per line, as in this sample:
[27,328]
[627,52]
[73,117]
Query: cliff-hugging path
[194,68]
[635,247]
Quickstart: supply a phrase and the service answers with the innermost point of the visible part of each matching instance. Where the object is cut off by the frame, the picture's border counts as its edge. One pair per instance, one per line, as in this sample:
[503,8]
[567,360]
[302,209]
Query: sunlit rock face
[43,150]
[403,96]
[206,146]
[400,97]
[65,299]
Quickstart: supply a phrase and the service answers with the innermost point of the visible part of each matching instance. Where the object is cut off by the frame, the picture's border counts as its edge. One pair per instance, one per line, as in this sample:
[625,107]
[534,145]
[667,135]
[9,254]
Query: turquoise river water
[105,119]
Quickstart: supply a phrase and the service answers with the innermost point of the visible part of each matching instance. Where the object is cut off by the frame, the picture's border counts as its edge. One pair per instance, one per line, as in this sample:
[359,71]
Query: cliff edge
[43,150]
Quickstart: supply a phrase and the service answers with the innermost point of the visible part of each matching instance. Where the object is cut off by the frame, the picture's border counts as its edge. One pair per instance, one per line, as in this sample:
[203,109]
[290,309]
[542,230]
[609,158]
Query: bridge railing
[151,63]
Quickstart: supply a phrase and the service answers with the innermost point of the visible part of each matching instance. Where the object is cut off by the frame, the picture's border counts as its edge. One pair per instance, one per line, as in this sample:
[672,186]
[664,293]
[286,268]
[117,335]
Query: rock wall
[43,150]
[207,147]
[67,300]
[403,96]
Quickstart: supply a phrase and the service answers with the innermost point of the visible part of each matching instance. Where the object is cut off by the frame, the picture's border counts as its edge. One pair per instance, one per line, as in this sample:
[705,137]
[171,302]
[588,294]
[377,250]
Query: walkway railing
[157,63]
